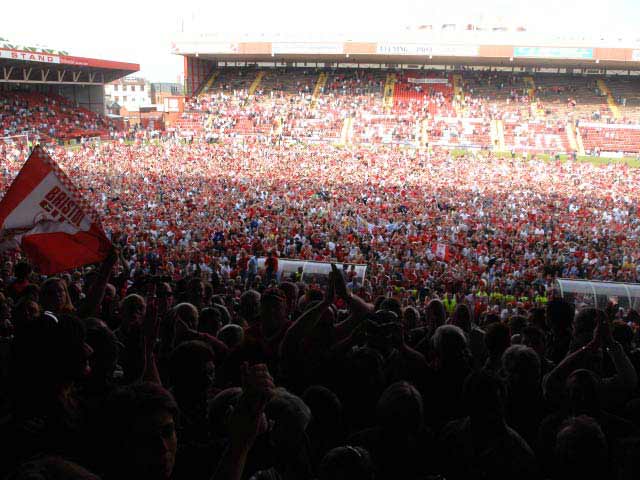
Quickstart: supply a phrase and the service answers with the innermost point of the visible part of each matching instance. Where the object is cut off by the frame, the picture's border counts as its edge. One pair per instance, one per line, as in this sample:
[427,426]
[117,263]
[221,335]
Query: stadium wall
[196,72]
[89,97]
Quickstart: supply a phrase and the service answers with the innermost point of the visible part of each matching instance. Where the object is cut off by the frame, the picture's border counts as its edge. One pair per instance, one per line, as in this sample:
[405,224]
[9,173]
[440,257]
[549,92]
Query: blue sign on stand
[553,52]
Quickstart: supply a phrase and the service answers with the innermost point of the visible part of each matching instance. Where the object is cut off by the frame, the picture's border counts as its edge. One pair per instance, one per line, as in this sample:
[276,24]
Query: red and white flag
[45,216]
[441,251]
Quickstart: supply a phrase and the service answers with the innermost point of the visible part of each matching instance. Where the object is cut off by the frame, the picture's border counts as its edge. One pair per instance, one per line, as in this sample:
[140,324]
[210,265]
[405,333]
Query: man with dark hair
[534,338]
[398,443]
[346,463]
[191,374]
[139,433]
[21,271]
[582,397]
[451,364]
[196,293]
[559,320]
[249,308]
[49,359]
[583,326]
[392,305]
[581,451]
[482,445]
[291,291]
[252,270]
[271,267]
[524,406]
[497,340]
[583,392]
[623,334]
[273,318]
[103,362]
[51,468]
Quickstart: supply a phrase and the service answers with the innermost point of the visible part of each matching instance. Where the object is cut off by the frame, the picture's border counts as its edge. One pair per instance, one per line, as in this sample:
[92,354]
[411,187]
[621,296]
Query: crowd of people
[48,117]
[535,108]
[453,356]
[505,221]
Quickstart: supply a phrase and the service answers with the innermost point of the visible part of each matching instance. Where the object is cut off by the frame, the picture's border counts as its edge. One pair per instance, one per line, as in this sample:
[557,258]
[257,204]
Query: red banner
[44,214]
[441,251]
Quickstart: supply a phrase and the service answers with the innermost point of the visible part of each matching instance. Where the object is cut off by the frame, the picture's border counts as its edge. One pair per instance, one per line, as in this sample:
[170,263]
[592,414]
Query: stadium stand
[54,97]
[535,136]
[49,117]
[527,113]
[627,95]
[610,137]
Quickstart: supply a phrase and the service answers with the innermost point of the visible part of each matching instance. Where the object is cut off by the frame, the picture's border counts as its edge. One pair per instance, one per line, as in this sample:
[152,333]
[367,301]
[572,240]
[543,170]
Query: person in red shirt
[243,261]
[22,272]
[271,266]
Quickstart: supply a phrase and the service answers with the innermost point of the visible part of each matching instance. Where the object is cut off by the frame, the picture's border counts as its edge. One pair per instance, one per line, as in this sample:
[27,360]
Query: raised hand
[606,337]
[612,308]
[257,381]
[247,420]
[112,258]
[397,334]
[340,284]
[181,327]
[151,323]
[602,333]
[331,289]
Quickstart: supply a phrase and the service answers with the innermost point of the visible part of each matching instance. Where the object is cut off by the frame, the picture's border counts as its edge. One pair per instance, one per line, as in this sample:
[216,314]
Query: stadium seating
[457,132]
[535,136]
[49,117]
[610,137]
[380,106]
[579,97]
[413,91]
[627,96]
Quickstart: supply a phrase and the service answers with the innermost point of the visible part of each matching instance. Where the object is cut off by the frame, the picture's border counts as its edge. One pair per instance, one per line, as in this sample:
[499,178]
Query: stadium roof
[54,67]
[418,48]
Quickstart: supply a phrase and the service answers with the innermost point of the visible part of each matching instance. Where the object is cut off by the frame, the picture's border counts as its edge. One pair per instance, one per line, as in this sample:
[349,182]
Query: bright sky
[141,31]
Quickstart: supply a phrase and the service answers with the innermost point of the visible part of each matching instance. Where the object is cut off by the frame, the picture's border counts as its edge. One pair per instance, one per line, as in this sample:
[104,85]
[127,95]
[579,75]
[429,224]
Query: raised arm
[305,322]
[413,358]
[95,295]
[625,376]
[150,331]
[554,381]
[247,421]
[357,306]
[355,337]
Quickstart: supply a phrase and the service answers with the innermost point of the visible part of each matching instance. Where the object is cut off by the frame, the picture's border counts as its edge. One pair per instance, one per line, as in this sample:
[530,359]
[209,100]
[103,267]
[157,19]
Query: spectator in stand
[482,444]
[398,443]
[581,450]
[524,406]
[271,266]
[346,463]
[497,340]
